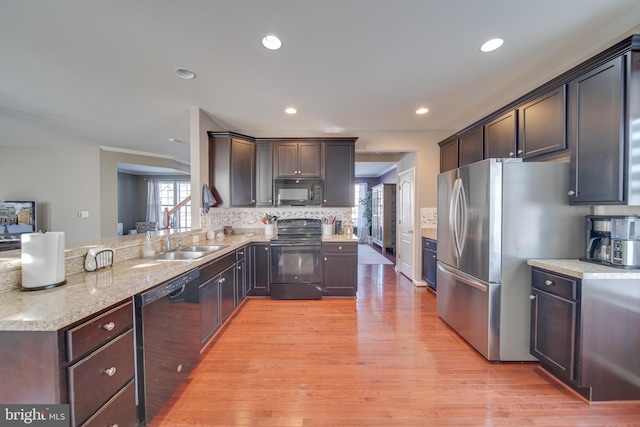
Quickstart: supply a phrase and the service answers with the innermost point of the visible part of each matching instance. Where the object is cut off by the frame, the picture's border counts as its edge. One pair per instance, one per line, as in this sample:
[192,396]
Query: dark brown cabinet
[542,124]
[339,268]
[339,174]
[596,116]
[500,136]
[471,146]
[298,159]
[429,262]
[241,274]
[232,166]
[554,322]
[209,308]
[227,292]
[449,153]
[264,174]
[260,273]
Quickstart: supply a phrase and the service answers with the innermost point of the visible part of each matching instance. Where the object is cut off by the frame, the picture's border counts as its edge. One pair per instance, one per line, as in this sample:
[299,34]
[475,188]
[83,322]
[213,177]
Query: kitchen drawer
[90,335]
[120,410]
[96,378]
[350,248]
[429,244]
[554,284]
[216,267]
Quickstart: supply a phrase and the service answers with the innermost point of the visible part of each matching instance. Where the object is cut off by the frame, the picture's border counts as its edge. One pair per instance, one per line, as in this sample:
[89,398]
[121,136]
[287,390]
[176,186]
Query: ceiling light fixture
[185,74]
[422,110]
[491,45]
[290,110]
[271,42]
[175,140]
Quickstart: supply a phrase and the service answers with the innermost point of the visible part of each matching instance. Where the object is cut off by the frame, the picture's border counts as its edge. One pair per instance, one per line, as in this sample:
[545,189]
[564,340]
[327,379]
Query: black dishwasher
[167,340]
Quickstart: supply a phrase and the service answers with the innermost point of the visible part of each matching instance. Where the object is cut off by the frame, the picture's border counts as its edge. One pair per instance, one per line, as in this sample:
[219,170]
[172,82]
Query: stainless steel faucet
[167,244]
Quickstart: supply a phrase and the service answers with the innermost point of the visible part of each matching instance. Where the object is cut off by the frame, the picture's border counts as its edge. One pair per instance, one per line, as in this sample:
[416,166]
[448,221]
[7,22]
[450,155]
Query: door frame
[412,225]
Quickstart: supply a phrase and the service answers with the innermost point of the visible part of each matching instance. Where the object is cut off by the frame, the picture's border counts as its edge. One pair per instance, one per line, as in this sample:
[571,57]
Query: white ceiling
[103,72]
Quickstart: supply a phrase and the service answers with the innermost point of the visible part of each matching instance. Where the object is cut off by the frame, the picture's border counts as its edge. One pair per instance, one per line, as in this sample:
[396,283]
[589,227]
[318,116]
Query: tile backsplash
[217,218]
[428,217]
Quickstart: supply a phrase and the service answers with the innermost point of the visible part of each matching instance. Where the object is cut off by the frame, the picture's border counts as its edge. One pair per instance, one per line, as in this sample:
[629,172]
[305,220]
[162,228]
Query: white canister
[327,229]
[42,260]
[269,230]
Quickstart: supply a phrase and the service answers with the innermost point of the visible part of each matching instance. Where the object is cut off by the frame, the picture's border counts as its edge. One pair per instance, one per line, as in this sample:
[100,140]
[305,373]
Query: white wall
[62,180]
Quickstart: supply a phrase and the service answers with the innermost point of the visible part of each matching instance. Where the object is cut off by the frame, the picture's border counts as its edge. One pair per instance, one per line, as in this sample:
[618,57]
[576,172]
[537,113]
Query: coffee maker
[625,241]
[598,228]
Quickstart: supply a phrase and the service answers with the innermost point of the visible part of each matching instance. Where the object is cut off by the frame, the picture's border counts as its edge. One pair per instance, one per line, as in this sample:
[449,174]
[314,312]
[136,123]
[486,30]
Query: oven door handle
[281,244]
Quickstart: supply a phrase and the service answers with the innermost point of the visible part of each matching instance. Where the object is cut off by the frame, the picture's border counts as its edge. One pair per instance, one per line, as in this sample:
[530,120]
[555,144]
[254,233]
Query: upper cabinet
[500,136]
[298,159]
[339,173]
[449,153]
[542,124]
[264,174]
[596,132]
[232,165]
[470,144]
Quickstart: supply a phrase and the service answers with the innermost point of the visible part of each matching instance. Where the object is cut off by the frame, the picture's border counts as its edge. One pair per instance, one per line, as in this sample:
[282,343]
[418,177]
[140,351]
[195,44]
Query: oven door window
[295,264]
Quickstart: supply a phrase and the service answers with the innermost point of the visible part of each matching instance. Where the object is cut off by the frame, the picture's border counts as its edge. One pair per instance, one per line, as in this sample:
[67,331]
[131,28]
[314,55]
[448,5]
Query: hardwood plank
[381,359]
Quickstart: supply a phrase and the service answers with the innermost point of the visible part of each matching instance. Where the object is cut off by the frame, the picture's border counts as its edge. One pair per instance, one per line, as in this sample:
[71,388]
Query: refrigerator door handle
[462,203]
[464,278]
[453,216]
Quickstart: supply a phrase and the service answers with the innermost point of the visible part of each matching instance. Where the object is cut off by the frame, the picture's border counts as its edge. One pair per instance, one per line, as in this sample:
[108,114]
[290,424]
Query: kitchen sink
[189,252]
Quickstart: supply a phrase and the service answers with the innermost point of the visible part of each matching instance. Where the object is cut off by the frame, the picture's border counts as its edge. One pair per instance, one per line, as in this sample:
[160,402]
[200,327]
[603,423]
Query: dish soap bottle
[148,250]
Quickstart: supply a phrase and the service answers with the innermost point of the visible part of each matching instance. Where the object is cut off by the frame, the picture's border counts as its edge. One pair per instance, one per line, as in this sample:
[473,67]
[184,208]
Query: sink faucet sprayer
[167,243]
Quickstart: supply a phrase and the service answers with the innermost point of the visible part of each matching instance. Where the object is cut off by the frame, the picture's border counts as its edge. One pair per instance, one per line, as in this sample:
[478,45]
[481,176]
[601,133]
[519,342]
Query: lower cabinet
[209,308]
[241,274]
[554,323]
[339,268]
[260,271]
[429,259]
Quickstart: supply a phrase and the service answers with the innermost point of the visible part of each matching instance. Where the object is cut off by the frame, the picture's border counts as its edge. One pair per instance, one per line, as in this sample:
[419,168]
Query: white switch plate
[83,214]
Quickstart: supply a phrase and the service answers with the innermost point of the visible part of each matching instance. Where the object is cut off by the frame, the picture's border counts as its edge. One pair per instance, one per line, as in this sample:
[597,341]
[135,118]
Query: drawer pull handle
[109,326]
[113,425]
[549,282]
[532,297]
[110,371]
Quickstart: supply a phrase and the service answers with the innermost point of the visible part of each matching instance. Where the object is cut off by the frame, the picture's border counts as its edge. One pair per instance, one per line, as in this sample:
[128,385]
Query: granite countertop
[87,293]
[339,238]
[584,270]
[429,233]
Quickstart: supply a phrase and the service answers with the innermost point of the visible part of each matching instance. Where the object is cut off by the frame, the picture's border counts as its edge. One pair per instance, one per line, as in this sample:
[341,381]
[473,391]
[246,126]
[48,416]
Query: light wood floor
[382,359]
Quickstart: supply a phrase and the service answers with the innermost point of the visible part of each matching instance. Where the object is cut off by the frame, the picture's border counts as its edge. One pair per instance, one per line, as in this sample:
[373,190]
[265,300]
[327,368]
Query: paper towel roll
[42,260]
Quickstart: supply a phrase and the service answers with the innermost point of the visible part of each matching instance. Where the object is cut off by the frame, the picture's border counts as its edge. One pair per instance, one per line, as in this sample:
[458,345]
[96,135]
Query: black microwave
[298,192]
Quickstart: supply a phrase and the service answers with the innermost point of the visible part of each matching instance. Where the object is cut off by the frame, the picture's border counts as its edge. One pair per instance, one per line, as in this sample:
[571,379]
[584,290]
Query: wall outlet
[83,214]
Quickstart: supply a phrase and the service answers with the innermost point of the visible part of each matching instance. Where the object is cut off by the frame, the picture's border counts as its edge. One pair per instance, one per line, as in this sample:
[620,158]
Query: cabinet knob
[434,257]
[109,371]
[325,258]
[520,151]
[266,249]
[325,200]
[549,282]
[179,368]
[572,193]
[239,267]
[253,201]
[108,326]
[511,154]
[532,297]
[339,248]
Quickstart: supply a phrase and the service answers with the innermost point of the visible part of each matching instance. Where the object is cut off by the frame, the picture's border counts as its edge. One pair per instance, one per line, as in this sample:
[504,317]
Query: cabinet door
[542,124]
[241,280]
[500,136]
[449,154]
[553,332]
[429,262]
[310,159]
[260,272]
[596,112]
[209,308]
[242,172]
[227,292]
[286,159]
[339,269]
[471,146]
[339,175]
[264,174]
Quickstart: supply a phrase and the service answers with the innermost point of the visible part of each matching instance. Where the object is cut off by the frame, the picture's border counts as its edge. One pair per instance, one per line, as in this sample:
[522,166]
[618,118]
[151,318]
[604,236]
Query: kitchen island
[584,326]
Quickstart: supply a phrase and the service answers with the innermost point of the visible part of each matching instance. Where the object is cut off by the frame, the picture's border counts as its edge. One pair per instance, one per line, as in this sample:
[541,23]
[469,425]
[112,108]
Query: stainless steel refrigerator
[493,215]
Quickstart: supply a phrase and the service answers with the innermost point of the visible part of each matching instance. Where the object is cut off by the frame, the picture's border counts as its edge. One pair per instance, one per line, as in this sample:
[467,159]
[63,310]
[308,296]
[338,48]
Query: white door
[405,226]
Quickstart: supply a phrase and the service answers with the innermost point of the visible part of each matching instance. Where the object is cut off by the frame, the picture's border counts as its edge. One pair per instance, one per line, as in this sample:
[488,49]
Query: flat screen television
[16,218]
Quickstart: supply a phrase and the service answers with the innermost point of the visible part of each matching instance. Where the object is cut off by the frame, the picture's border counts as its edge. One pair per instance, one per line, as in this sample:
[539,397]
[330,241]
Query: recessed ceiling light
[422,110]
[185,74]
[492,44]
[290,110]
[271,42]
[175,140]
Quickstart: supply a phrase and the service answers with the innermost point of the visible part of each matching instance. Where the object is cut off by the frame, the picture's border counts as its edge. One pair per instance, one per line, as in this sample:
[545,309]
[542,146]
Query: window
[172,193]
